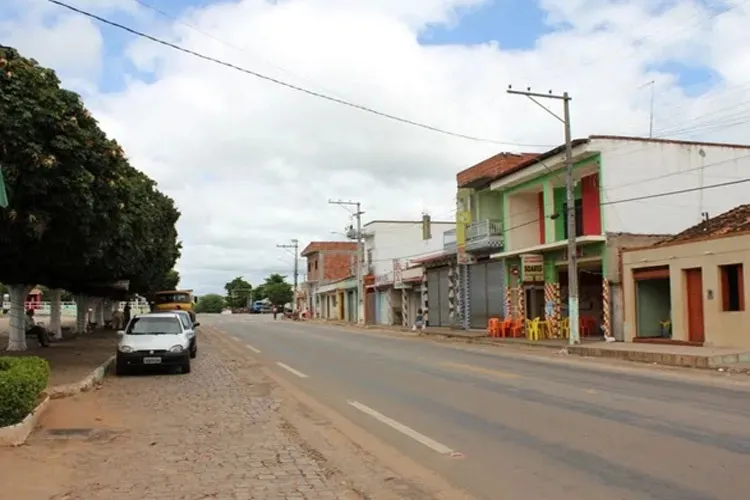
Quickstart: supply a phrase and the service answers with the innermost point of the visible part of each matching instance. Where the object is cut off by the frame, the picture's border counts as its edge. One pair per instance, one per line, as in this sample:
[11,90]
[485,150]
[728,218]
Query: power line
[282,83]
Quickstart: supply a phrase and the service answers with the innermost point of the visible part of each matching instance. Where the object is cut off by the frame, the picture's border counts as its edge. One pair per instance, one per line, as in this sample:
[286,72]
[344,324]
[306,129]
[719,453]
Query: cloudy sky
[253,164]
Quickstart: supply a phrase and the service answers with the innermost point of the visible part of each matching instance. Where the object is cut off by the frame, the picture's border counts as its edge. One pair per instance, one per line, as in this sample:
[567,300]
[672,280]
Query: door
[371,305]
[478,295]
[496,289]
[694,292]
[534,302]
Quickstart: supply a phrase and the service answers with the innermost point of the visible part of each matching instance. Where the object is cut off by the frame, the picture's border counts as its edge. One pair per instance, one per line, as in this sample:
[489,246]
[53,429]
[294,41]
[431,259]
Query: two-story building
[393,286]
[629,191]
[328,262]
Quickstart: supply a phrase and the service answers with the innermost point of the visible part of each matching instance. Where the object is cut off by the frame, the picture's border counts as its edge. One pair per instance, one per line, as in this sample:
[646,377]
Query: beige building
[690,288]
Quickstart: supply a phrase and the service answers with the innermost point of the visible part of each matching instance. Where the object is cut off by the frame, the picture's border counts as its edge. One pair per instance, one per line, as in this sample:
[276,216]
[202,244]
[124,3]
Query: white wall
[523,226]
[642,168]
[401,240]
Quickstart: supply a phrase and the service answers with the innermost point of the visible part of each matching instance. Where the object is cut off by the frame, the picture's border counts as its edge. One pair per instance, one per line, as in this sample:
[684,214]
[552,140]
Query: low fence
[71,309]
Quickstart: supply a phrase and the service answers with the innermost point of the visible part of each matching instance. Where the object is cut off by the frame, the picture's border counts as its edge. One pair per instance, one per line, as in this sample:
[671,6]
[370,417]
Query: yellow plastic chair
[563,327]
[534,332]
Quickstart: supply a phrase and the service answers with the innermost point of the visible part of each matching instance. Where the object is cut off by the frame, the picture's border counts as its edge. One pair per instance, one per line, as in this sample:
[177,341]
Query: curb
[17,434]
[93,378]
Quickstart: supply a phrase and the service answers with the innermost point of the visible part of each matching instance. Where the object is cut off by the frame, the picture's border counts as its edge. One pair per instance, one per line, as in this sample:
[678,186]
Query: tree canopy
[79,215]
[277,290]
[239,292]
[211,303]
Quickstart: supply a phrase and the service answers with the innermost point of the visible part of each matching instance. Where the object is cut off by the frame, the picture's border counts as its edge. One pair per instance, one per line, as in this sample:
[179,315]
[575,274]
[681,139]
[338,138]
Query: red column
[592,211]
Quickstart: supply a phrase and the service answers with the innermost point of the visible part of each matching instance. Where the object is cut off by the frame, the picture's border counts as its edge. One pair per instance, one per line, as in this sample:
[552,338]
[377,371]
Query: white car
[190,326]
[151,340]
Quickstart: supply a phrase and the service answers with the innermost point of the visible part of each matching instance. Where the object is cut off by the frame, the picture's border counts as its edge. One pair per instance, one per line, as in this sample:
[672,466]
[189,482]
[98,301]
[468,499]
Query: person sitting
[36,330]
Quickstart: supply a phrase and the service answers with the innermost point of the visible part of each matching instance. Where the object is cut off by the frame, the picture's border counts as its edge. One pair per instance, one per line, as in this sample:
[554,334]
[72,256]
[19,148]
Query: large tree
[277,290]
[79,216]
[239,292]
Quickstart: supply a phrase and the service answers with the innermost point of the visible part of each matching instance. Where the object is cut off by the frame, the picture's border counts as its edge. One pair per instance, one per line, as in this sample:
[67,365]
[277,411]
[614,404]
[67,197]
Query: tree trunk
[108,307]
[55,314]
[82,313]
[99,312]
[17,335]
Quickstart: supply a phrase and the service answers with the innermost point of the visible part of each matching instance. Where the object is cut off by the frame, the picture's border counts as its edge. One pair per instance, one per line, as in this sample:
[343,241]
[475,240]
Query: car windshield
[172,298]
[154,326]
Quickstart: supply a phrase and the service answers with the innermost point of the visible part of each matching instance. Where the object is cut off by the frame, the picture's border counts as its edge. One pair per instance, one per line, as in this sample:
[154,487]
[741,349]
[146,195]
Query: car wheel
[194,351]
[186,365]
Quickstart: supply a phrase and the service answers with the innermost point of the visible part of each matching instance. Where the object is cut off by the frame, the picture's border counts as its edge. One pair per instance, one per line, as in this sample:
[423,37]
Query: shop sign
[532,268]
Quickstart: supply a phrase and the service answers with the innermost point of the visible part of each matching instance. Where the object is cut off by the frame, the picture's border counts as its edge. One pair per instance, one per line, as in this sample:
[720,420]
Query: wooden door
[694,289]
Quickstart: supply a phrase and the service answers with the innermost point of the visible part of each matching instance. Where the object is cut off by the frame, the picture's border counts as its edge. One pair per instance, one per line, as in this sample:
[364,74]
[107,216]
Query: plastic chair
[533,331]
[517,328]
[493,327]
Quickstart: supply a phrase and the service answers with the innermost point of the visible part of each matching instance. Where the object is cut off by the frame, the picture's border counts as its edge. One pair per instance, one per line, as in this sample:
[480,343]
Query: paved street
[506,426]
[216,433]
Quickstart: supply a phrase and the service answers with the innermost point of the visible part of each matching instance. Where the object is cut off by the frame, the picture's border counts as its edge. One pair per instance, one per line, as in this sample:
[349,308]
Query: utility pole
[294,246]
[360,256]
[570,213]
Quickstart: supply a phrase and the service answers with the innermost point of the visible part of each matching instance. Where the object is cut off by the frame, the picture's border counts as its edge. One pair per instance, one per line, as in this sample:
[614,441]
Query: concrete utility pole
[570,214]
[360,256]
[294,246]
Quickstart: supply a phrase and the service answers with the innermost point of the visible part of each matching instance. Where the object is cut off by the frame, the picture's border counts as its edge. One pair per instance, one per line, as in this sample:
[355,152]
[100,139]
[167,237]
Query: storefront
[486,292]
[538,288]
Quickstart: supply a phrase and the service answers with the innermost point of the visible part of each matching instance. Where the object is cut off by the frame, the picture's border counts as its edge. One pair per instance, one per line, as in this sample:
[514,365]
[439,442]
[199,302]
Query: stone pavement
[214,433]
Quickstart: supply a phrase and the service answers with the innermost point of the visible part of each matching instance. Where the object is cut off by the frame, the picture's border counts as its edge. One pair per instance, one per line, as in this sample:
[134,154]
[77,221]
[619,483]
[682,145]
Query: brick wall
[492,168]
[338,265]
[313,267]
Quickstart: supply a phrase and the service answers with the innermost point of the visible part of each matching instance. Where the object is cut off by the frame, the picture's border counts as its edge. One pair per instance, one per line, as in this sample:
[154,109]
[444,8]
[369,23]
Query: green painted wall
[489,205]
[550,270]
[653,305]
[560,199]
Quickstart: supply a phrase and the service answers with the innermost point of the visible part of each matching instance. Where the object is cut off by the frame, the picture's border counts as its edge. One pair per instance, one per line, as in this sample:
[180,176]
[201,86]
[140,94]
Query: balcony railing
[449,241]
[484,235]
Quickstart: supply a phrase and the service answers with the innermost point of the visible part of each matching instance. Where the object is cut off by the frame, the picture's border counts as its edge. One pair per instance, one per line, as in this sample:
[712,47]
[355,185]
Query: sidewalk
[670,355]
[70,359]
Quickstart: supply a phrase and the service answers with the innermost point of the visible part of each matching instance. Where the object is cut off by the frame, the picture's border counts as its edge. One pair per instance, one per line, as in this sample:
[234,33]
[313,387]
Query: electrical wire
[291,86]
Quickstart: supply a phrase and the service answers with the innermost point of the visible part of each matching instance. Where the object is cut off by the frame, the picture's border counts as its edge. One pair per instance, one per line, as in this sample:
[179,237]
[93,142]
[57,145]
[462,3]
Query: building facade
[628,192]
[393,283]
[327,262]
[690,288]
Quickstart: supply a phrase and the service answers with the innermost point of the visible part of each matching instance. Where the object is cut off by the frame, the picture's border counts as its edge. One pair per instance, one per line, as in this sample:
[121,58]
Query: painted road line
[481,371]
[403,429]
[256,351]
[291,370]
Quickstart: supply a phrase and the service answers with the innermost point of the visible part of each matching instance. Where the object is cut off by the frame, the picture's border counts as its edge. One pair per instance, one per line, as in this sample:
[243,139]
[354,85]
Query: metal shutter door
[478,295]
[496,289]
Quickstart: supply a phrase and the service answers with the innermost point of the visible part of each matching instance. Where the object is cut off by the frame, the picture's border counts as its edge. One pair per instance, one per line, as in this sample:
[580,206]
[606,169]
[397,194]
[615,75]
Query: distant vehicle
[174,300]
[262,306]
[151,340]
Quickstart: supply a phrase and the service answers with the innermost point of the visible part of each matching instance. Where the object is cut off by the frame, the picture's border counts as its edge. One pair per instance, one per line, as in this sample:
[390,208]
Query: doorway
[534,302]
[694,292]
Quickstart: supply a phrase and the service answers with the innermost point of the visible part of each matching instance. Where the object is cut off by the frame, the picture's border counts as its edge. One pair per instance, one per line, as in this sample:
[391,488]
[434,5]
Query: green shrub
[22,380]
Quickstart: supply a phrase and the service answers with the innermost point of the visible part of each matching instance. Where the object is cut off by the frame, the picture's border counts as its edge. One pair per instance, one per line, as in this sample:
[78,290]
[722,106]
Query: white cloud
[252,164]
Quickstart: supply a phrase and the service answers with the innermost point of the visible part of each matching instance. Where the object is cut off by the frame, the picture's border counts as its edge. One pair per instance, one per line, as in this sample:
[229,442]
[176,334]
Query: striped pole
[508,305]
[606,326]
[549,315]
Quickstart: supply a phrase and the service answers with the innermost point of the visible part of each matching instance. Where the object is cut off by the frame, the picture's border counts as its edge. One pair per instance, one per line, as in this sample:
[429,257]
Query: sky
[252,164]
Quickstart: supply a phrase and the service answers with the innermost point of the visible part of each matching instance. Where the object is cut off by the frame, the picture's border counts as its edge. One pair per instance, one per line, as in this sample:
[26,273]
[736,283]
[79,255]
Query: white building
[393,286]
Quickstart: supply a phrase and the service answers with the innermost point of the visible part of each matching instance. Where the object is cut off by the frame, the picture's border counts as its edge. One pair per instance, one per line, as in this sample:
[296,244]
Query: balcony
[449,241]
[484,235]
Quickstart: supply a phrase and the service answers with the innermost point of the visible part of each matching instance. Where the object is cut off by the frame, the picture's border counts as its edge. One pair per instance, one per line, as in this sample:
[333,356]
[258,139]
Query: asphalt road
[506,426]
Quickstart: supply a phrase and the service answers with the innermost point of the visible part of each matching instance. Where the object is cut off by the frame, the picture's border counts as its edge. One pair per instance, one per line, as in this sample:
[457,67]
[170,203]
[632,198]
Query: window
[579,218]
[732,287]
[309,267]
[316,265]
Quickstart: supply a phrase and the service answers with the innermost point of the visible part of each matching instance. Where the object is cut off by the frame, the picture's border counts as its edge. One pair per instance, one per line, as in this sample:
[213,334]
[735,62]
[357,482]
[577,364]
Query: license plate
[151,361]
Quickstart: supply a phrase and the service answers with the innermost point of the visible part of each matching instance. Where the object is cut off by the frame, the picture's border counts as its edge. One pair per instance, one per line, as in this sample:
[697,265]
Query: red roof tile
[736,220]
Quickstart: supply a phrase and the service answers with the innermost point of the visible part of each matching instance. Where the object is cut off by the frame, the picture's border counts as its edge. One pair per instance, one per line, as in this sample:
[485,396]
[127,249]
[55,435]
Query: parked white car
[190,326]
[151,340]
